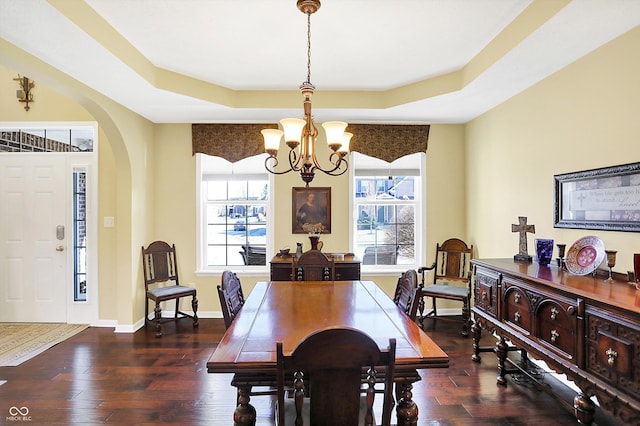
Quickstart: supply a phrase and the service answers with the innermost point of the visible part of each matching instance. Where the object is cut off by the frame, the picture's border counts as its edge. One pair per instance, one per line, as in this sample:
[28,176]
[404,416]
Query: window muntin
[234,214]
[387,211]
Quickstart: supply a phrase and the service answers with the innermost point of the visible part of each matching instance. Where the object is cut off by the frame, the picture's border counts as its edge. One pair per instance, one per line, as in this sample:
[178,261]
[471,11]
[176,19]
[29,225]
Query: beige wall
[446,177]
[582,117]
[175,208]
[481,176]
[162,205]
[124,190]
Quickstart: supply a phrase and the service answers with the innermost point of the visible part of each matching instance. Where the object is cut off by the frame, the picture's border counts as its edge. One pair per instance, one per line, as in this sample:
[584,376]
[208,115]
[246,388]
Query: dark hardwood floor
[101,377]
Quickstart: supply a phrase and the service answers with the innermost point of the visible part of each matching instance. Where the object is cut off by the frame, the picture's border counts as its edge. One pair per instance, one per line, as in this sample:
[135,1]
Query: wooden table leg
[245,413]
[407,410]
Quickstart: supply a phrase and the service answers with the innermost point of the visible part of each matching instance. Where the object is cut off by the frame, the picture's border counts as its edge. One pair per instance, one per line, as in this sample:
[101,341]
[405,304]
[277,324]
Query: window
[79,234]
[388,211]
[53,139]
[233,221]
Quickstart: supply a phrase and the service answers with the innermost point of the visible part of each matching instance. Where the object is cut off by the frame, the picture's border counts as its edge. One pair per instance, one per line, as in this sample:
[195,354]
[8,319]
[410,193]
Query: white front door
[33,238]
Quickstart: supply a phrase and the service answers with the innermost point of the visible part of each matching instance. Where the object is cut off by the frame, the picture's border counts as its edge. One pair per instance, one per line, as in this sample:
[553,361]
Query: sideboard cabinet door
[486,290]
[556,324]
[613,349]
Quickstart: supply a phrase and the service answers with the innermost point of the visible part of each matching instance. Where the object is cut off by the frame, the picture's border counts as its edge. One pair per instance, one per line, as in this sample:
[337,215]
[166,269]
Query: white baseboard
[129,328]
[132,328]
[105,323]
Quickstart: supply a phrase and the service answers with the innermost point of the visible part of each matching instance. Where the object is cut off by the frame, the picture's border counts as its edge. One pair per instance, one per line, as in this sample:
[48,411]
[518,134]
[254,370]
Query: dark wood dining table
[289,311]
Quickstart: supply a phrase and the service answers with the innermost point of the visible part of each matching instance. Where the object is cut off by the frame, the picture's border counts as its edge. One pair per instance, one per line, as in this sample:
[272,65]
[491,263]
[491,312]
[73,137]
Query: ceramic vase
[315,242]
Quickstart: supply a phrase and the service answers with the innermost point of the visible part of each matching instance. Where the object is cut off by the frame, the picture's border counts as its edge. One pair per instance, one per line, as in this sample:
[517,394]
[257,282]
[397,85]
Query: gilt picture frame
[606,198]
[311,206]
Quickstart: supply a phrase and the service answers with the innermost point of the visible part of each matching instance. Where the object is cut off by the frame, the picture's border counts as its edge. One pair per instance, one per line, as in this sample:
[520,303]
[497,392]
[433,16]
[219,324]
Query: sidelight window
[79,234]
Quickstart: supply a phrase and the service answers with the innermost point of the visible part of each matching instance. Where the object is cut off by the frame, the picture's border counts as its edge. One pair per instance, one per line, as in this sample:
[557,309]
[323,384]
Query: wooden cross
[523,228]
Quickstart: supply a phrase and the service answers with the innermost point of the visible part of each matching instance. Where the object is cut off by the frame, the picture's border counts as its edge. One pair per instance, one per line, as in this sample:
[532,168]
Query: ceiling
[372,61]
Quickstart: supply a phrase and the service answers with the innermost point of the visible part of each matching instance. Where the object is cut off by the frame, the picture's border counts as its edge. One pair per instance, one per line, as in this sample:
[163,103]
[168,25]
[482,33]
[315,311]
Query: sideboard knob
[611,356]
[554,336]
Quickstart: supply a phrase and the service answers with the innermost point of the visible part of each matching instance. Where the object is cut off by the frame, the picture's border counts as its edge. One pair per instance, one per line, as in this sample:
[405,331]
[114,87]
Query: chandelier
[300,134]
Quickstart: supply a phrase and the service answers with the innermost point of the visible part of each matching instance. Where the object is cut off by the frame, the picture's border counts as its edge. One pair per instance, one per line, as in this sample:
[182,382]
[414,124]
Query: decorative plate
[585,255]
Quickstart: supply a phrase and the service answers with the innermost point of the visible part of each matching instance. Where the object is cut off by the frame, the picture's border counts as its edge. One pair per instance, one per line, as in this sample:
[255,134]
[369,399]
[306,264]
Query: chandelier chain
[301,134]
[308,48]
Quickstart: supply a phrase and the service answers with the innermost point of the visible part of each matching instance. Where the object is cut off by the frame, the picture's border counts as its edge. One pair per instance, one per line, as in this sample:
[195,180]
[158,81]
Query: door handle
[60,248]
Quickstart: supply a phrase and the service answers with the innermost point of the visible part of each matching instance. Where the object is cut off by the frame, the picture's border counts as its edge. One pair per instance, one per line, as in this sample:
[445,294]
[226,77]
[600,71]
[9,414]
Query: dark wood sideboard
[582,326]
[347,269]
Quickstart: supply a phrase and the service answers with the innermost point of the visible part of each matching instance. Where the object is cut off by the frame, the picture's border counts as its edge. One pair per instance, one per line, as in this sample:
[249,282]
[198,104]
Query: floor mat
[20,342]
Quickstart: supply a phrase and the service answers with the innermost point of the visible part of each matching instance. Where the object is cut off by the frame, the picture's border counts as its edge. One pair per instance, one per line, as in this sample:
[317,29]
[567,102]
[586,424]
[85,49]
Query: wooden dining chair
[231,296]
[451,280]
[313,265]
[231,302]
[327,366]
[408,295]
[161,283]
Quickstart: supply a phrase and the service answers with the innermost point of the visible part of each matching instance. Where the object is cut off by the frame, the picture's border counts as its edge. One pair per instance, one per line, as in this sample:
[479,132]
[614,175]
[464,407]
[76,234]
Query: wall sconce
[24,93]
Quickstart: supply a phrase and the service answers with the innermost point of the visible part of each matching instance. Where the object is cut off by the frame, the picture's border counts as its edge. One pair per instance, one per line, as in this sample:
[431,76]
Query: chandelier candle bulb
[272,140]
[335,133]
[292,130]
[346,141]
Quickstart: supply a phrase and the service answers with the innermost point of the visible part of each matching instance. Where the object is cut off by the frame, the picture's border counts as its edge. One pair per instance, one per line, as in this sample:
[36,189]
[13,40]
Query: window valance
[388,142]
[233,142]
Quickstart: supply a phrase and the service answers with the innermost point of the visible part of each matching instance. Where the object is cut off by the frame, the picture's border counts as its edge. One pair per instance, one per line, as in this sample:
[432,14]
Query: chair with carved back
[408,295]
[451,280]
[231,296]
[326,368]
[231,302]
[161,284]
[313,265]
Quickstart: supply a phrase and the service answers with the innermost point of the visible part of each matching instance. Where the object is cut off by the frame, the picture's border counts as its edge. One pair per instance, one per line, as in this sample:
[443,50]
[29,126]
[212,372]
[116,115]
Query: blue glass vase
[544,250]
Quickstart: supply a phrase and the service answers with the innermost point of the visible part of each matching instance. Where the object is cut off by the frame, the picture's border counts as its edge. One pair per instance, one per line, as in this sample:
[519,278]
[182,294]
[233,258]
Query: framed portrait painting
[311,210]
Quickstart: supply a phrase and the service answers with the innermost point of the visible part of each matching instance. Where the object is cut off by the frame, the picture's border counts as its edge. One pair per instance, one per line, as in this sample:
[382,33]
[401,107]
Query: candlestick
[561,263]
[611,262]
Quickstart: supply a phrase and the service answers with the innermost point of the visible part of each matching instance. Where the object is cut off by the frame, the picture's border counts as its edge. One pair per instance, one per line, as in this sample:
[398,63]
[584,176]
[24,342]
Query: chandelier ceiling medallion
[300,134]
